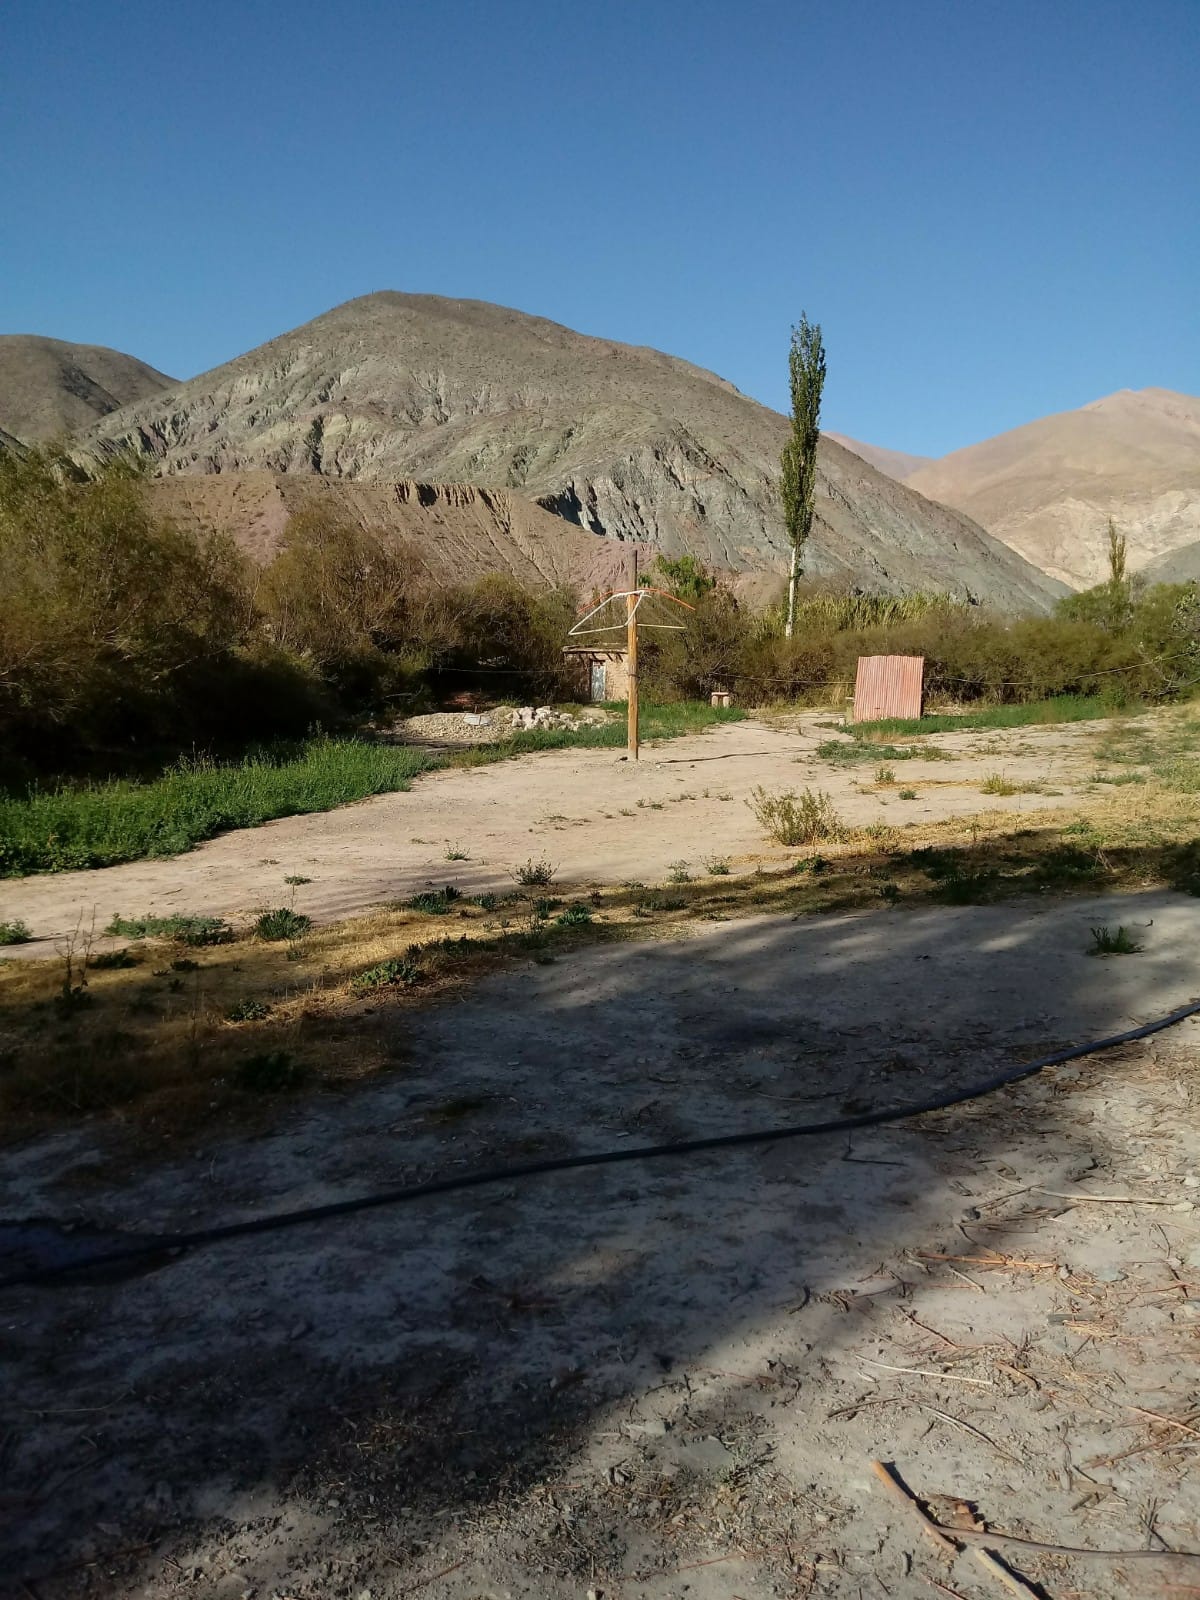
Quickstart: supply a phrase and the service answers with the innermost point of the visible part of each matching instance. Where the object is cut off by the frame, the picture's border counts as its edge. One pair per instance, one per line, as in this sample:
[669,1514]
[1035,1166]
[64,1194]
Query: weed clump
[281,923]
[113,959]
[386,975]
[248,1011]
[435,902]
[1107,943]
[574,916]
[15,932]
[796,819]
[533,874]
[270,1072]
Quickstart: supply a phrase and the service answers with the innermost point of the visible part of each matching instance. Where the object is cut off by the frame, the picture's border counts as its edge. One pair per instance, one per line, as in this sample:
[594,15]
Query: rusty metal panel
[889,686]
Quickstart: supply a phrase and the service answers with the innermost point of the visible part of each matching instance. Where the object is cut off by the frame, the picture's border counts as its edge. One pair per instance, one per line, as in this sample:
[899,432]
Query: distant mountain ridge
[1048,488]
[50,389]
[621,440]
[893,463]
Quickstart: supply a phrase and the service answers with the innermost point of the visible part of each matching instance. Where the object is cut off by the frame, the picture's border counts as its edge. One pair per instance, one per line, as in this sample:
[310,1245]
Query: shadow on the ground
[348,1392]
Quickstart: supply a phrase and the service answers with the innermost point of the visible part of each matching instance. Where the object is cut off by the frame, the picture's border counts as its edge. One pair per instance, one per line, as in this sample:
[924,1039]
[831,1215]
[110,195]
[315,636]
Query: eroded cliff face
[625,443]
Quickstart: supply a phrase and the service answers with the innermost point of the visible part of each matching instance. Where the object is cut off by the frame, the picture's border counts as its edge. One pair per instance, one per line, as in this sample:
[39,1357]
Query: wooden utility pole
[631,642]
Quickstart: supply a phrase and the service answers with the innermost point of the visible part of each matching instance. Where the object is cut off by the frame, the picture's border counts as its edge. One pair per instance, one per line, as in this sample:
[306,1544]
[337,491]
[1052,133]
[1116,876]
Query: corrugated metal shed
[889,686]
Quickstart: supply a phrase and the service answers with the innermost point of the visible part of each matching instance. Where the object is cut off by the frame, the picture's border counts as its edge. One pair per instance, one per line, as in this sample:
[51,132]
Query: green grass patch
[187,930]
[849,752]
[98,825]
[102,824]
[1038,713]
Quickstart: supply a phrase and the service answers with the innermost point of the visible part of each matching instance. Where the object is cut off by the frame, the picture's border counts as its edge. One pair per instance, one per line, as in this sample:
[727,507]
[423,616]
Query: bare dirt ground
[664,1379]
[602,819]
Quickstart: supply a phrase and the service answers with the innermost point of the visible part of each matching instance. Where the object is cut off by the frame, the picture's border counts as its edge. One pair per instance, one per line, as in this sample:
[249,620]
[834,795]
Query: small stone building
[598,673]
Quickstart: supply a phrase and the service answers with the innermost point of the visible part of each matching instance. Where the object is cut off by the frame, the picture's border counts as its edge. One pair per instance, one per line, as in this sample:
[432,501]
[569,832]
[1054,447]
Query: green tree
[806,367]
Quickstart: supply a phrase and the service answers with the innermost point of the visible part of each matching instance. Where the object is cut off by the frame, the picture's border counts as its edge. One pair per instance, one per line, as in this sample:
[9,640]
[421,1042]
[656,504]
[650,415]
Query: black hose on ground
[159,1245]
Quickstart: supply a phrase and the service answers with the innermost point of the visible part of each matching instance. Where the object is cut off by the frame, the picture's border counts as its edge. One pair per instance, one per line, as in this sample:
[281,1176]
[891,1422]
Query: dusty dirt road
[600,819]
[660,1381]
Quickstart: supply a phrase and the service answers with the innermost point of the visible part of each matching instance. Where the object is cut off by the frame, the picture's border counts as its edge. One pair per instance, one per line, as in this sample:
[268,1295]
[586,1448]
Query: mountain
[621,440]
[49,389]
[1049,488]
[454,531]
[892,463]
[1181,565]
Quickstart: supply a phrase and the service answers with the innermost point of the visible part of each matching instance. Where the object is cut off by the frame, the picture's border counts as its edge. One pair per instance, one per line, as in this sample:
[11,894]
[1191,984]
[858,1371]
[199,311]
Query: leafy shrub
[791,819]
[16,932]
[247,1011]
[678,872]
[717,866]
[386,974]
[281,923]
[575,916]
[270,1072]
[435,902]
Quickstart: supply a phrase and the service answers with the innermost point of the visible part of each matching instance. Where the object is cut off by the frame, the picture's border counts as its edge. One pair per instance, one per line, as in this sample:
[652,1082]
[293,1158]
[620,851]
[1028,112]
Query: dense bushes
[1148,647]
[125,642]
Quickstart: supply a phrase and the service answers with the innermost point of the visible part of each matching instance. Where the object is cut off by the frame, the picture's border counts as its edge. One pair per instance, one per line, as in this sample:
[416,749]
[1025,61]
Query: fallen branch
[1010,1580]
[942,1536]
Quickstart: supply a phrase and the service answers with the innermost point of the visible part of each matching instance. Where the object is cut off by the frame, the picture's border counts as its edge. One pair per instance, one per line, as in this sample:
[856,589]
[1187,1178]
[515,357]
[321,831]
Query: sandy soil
[600,818]
[660,1381]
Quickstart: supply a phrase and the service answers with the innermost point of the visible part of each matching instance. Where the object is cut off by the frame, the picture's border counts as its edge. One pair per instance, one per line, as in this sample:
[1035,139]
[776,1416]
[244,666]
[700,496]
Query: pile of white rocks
[547,717]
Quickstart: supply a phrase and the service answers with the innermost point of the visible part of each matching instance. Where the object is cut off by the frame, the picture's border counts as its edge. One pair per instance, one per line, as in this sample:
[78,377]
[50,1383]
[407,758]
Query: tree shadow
[333,1407]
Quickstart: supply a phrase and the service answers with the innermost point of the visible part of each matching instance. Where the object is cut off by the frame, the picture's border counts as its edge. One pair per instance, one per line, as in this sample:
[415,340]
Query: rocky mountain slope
[1049,488]
[892,463]
[49,389]
[623,441]
[1181,565]
[454,531]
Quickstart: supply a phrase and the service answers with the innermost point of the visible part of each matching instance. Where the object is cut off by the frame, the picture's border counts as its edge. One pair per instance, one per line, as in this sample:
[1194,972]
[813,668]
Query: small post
[631,645]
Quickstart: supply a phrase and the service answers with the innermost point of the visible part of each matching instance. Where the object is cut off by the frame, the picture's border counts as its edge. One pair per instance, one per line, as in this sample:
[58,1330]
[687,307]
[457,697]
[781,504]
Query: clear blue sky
[991,206]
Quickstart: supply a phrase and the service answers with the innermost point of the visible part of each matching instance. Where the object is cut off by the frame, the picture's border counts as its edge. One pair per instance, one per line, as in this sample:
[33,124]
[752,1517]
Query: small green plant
[677,872]
[907,794]
[997,783]
[574,916]
[533,874]
[540,910]
[796,819]
[435,902]
[110,959]
[247,1011]
[717,866]
[387,974]
[187,930]
[269,1073]
[15,932]
[1107,943]
[455,852]
[281,923]
[295,879]
[885,776]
